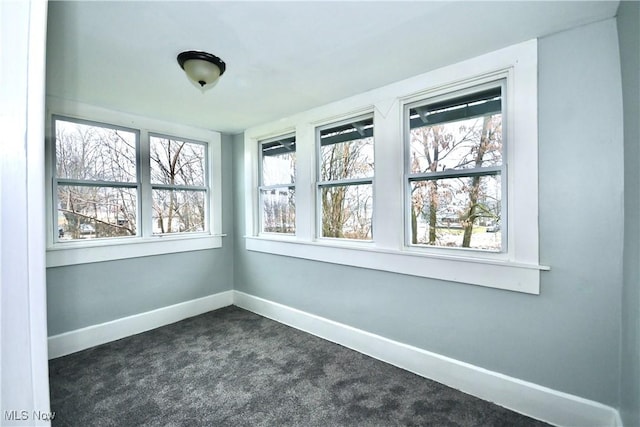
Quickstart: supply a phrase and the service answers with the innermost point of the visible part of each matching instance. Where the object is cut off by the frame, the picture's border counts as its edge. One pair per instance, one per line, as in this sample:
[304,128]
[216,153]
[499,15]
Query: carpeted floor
[231,367]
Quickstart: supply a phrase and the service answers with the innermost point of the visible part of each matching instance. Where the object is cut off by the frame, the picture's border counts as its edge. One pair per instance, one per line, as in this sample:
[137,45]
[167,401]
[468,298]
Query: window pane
[176,162]
[457,212]
[90,212]
[346,211]
[90,152]
[466,142]
[178,211]
[278,210]
[279,162]
[349,159]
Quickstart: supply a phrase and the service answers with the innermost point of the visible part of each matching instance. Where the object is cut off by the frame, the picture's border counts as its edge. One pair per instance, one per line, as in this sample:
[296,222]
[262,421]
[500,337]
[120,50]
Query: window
[345,181]
[179,185]
[96,181]
[99,187]
[455,195]
[455,166]
[277,185]
[117,189]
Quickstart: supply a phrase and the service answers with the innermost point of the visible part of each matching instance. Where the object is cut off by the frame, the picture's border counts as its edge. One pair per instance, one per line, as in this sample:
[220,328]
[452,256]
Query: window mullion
[305,179]
[144,185]
[388,189]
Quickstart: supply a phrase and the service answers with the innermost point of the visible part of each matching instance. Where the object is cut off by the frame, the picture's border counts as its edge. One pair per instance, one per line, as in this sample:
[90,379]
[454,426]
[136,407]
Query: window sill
[508,275]
[85,252]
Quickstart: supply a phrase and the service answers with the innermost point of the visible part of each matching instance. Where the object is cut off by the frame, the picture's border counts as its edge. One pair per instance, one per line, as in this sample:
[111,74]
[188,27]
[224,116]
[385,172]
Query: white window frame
[319,183]
[206,188]
[453,92]
[145,243]
[131,185]
[262,187]
[515,269]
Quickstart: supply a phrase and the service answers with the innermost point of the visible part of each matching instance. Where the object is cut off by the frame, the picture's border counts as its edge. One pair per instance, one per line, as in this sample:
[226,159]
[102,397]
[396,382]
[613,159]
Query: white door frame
[24,382]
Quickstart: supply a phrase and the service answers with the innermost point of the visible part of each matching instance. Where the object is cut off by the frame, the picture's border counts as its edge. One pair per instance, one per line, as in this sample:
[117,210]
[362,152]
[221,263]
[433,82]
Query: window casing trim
[145,243]
[517,269]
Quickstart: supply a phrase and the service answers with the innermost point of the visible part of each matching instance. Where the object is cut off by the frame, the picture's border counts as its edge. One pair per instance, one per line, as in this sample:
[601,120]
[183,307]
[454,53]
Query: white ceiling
[282,57]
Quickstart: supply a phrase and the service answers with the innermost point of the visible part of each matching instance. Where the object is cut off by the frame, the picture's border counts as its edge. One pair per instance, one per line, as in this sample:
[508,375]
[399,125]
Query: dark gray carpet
[231,367]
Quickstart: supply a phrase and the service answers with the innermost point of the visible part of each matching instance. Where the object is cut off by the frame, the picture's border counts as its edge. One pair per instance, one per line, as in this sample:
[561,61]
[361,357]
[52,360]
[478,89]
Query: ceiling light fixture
[202,68]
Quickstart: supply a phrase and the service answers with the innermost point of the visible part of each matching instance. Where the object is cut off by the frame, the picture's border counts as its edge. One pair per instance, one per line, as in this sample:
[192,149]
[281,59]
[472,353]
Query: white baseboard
[80,339]
[527,398]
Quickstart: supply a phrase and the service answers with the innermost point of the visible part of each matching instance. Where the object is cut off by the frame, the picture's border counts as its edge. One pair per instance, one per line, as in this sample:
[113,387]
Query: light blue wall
[568,337]
[89,294]
[629,36]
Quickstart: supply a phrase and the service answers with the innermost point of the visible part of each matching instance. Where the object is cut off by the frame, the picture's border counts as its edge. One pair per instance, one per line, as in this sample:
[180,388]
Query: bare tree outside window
[178,180]
[346,180]
[456,161]
[108,183]
[96,181]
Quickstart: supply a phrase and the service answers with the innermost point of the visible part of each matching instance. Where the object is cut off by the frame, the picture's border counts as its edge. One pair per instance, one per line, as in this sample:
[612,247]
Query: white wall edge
[527,398]
[81,339]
